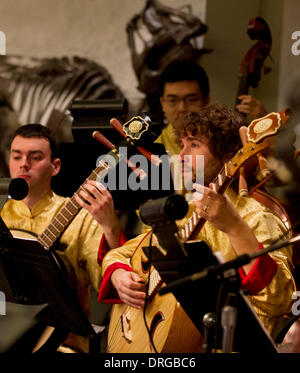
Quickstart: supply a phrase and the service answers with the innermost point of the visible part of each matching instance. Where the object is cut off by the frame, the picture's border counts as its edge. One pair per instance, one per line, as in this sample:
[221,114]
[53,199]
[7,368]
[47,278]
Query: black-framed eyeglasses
[188,100]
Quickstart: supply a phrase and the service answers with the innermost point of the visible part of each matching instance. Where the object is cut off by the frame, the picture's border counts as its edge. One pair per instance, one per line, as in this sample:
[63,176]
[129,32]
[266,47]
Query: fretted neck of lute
[67,213]
[195,223]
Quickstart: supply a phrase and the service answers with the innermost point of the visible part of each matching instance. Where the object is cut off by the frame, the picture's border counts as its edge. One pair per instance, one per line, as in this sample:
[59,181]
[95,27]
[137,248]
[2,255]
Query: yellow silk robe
[271,303]
[168,139]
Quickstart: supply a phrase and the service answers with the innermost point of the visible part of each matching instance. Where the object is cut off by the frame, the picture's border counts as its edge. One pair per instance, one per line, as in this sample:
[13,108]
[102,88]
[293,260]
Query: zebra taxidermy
[40,90]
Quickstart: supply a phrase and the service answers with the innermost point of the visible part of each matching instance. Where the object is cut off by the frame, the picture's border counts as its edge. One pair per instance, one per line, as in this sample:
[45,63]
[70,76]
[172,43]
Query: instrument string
[146,299]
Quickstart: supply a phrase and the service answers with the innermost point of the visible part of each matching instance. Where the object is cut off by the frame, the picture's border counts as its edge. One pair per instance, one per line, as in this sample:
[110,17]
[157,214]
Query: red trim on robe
[260,275]
[103,247]
[257,279]
[107,293]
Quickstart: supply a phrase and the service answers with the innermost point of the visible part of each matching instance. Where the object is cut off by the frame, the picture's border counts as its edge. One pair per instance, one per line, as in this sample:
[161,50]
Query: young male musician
[34,157]
[183,88]
[235,225]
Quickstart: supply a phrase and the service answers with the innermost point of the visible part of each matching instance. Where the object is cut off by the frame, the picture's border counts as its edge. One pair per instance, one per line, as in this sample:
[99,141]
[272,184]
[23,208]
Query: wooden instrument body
[174,331]
[169,326]
[21,233]
[253,60]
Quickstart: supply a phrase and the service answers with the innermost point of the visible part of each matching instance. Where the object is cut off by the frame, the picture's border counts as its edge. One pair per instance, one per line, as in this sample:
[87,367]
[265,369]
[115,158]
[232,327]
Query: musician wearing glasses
[234,225]
[184,87]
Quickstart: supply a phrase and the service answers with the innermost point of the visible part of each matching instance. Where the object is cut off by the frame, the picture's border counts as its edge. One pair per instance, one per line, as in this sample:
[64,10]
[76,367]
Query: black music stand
[202,297]
[31,275]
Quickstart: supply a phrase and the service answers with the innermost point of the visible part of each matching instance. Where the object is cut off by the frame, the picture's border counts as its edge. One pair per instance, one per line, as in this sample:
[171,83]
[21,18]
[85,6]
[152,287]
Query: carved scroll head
[158,36]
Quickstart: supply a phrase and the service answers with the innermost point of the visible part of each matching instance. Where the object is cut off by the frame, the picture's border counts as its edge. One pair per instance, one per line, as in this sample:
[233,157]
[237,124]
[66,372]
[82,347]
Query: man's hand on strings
[130,287]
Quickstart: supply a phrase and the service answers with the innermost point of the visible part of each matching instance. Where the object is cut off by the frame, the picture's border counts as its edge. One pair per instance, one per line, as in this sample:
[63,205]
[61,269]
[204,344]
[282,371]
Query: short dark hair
[38,130]
[219,124]
[179,71]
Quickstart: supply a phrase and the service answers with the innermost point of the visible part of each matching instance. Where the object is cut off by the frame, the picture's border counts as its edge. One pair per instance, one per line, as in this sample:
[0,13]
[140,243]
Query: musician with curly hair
[235,225]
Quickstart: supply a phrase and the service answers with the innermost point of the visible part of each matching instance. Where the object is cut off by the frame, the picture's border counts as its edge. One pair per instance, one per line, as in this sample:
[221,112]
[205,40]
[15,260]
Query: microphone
[16,188]
[172,207]
[228,322]
[209,322]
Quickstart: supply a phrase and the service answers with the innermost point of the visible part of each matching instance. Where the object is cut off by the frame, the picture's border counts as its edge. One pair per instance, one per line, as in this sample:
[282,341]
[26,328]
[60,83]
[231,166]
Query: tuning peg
[117,126]
[151,157]
[263,165]
[97,135]
[243,132]
[103,140]
[243,186]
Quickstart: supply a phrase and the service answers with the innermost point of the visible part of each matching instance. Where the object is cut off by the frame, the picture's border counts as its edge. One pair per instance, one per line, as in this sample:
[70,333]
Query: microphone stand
[228,322]
[229,272]
[209,321]
[227,267]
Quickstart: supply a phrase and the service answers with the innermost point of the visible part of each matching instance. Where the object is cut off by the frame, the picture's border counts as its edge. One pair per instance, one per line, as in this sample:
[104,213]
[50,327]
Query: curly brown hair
[219,124]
